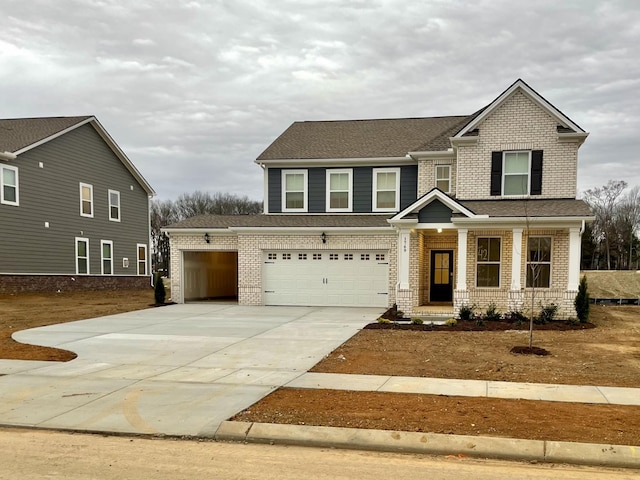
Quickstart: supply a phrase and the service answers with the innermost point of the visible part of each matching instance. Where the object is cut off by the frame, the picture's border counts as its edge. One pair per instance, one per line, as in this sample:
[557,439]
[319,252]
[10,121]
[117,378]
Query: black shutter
[496,173]
[536,172]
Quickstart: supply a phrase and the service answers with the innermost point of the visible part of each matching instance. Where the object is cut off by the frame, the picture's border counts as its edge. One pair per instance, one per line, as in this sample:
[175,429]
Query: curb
[431,443]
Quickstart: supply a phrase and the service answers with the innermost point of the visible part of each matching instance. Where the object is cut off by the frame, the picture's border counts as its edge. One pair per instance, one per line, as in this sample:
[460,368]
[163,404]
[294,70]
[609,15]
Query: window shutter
[496,173]
[536,172]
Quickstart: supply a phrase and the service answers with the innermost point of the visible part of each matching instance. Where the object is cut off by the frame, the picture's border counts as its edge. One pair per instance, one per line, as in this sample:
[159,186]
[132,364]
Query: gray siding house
[427,213]
[74,210]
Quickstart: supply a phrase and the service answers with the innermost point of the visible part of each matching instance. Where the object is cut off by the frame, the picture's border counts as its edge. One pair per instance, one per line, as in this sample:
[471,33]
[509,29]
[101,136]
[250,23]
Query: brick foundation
[65,283]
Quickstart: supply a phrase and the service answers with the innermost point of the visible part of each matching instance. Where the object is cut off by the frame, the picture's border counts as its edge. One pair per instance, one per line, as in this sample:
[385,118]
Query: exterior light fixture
[206,237]
[439,230]
[323,237]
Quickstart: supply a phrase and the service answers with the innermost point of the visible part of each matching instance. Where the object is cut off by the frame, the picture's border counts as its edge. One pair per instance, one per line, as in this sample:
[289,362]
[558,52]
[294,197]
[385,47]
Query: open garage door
[210,275]
[326,278]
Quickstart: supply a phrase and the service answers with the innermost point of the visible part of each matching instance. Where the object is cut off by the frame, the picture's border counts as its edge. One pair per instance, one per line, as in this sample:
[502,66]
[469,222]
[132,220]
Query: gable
[435,212]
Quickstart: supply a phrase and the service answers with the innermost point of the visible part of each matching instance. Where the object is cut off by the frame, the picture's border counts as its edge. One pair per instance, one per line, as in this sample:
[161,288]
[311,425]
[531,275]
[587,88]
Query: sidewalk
[470,388]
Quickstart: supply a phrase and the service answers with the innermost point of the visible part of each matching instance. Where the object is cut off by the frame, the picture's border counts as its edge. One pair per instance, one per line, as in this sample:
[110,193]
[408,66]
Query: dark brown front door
[441,275]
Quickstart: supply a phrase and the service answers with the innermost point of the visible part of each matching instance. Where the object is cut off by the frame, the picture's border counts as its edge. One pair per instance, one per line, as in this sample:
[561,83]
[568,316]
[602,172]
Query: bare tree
[628,223]
[603,202]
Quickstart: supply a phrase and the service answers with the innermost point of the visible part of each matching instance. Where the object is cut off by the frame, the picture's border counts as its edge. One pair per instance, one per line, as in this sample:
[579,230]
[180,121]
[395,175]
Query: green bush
[492,312]
[159,291]
[581,301]
[547,314]
[384,320]
[451,322]
[417,321]
[516,316]
[466,312]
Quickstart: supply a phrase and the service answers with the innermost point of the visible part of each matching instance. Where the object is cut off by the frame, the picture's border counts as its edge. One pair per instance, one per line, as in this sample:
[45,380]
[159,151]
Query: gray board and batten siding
[362,188]
[52,194]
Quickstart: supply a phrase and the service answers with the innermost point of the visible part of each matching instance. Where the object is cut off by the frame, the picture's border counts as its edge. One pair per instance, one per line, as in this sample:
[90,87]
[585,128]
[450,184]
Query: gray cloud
[193,92]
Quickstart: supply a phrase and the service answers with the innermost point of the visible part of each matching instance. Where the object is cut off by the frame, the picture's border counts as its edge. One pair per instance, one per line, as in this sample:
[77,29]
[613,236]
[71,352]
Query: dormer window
[294,190]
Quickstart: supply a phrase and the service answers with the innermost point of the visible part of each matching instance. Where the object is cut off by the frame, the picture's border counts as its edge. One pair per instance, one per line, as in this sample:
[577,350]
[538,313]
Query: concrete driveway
[176,370]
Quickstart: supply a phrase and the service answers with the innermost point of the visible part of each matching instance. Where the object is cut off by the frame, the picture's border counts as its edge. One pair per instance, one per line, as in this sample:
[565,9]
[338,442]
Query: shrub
[466,312]
[384,320]
[417,321]
[547,314]
[516,316]
[492,312]
[480,321]
[451,322]
[581,301]
[159,292]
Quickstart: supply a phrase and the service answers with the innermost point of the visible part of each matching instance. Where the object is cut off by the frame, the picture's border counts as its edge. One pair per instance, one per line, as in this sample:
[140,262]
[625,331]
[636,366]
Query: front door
[441,275]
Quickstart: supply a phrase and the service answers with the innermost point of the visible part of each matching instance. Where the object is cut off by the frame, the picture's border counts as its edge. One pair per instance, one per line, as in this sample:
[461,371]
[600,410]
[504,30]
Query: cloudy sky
[194,91]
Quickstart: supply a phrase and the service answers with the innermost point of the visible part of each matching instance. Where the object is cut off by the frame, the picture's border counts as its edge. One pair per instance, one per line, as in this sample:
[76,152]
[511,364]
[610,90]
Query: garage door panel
[343,278]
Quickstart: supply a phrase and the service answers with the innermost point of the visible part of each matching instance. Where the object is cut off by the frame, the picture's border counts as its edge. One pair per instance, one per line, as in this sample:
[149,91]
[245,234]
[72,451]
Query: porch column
[574,259]
[461,281]
[404,243]
[516,259]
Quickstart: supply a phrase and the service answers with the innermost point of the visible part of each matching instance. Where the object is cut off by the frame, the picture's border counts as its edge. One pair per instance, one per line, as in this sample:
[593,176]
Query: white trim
[265,201]
[339,171]
[7,156]
[90,187]
[461,279]
[374,189]
[448,154]
[435,172]
[575,245]
[336,162]
[314,230]
[16,186]
[102,258]
[111,219]
[86,241]
[305,191]
[539,222]
[404,257]
[489,262]
[146,259]
[516,259]
[533,95]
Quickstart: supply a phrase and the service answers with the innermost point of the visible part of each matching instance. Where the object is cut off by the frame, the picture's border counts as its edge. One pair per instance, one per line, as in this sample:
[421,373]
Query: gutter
[7,156]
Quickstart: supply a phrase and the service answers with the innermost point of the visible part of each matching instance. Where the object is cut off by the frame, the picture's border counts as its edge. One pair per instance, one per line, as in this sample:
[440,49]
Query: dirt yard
[23,311]
[606,355]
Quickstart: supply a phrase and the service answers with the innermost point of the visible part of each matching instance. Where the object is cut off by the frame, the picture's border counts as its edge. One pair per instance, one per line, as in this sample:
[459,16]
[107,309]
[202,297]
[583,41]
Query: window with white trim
[86,200]
[114,205]
[515,173]
[142,259]
[82,256]
[539,262]
[488,255]
[386,189]
[9,185]
[294,190]
[339,190]
[106,252]
[443,178]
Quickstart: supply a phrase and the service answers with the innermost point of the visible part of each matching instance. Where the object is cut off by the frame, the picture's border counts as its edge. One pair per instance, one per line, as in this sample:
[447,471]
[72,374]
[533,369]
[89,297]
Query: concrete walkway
[177,370]
[470,388]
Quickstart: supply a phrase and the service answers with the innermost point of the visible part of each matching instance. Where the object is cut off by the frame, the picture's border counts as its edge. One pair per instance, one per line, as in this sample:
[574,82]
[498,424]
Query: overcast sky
[194,91]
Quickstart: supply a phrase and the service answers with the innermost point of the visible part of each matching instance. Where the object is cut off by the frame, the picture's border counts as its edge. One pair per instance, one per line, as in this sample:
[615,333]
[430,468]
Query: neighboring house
[439,211]
[74,211]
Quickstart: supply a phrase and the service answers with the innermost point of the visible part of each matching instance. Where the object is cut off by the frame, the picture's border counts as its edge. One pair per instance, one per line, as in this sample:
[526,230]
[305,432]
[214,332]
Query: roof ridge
[381,119]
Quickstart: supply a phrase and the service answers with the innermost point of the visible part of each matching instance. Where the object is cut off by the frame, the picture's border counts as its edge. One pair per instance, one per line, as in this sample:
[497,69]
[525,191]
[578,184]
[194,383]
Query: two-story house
[439,211]
[74,210]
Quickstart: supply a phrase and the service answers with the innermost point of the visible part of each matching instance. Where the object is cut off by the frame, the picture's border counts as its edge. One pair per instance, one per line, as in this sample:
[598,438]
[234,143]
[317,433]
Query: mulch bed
[471,326]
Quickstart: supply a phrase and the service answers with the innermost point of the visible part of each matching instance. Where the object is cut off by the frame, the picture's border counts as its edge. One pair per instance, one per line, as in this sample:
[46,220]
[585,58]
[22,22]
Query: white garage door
[333,278]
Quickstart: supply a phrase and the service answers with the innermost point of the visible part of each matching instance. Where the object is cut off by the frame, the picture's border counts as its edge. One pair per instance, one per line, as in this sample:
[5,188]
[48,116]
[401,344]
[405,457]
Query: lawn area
[30,310]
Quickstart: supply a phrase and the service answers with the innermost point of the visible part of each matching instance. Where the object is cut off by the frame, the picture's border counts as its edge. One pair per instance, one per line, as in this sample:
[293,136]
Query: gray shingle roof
[530,207]
[260,220]
[18,133]
[364,138]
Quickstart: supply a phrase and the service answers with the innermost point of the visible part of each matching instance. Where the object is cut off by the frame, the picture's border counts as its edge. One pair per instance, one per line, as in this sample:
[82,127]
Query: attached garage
[324,277]
[210,275]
